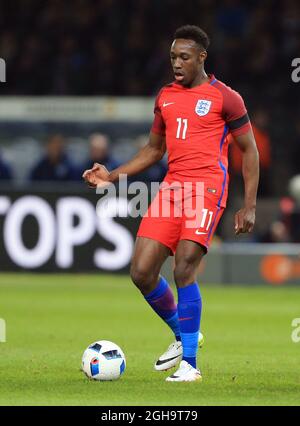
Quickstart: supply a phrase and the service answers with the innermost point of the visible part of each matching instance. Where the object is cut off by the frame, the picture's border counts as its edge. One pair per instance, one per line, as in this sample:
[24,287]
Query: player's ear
[202,56]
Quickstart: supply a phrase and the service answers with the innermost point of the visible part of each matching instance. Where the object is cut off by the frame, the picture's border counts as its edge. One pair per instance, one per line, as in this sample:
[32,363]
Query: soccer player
[193,116]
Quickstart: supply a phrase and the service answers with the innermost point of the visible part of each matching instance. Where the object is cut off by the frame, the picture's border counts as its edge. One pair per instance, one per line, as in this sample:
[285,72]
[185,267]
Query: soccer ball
[103,360]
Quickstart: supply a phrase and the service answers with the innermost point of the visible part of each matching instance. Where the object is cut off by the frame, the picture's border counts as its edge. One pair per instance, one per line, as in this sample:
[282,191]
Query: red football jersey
[196,122]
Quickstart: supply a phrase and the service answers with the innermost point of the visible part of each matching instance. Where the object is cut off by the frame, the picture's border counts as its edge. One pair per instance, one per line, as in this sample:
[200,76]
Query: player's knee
[142,278]
[185,271]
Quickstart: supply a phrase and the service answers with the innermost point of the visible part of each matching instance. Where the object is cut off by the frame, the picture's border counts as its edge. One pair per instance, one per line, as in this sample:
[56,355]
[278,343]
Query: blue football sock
[162,301]
[189,312]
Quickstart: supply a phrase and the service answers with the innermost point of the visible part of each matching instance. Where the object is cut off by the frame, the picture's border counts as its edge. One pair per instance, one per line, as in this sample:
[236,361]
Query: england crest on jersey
[202,107]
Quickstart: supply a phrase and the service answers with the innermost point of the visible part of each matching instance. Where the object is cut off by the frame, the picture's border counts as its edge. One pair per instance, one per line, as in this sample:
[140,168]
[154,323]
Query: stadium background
[78,68]
[106,56]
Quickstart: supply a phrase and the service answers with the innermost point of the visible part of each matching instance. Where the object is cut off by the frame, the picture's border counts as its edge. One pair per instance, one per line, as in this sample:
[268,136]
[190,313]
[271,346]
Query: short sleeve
[235,113]
[158,125]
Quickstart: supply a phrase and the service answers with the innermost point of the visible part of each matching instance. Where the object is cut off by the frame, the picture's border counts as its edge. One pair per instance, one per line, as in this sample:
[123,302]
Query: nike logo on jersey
[200,233]
[168,103]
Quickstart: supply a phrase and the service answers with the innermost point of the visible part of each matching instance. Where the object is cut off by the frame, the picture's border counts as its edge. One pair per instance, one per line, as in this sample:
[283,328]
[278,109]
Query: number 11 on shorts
[205,212]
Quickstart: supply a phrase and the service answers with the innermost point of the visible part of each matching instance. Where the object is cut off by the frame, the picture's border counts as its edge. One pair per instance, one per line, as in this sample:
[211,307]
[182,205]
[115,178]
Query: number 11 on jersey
[181,133]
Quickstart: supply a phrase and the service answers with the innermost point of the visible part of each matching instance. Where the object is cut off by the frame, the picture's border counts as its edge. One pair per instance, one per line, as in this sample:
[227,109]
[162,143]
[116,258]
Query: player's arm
[245,217]
[238,122]
[145,158]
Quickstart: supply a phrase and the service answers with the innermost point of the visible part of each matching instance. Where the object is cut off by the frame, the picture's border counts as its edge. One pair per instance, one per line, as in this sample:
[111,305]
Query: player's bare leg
[149,255]
[187,260]
[148,258]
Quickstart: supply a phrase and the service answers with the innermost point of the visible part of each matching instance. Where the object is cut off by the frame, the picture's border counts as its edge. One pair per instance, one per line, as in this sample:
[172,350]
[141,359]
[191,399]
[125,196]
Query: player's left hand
[244,220]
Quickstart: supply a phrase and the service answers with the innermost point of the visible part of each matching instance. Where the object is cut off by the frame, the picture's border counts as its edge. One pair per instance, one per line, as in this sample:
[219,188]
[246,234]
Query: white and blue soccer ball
[103,360]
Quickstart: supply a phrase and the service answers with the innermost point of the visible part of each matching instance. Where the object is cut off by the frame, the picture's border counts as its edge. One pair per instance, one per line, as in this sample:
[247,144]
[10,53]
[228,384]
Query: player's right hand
[97,176]
[244,220]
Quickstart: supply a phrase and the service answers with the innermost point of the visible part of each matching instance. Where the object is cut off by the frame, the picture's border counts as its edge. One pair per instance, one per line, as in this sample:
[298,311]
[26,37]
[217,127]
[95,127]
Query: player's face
[187,61]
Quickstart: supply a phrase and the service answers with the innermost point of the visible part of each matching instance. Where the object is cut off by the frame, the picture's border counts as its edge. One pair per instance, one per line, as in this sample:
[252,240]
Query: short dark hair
[192,32]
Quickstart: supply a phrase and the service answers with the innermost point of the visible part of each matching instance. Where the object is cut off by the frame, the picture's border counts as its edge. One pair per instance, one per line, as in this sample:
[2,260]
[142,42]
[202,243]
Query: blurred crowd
[285,228]
[57,165]
[59,162]
[120,47]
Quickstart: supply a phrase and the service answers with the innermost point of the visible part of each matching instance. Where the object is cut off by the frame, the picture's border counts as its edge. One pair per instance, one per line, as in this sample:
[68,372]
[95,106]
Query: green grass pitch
[248,357]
